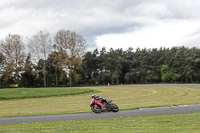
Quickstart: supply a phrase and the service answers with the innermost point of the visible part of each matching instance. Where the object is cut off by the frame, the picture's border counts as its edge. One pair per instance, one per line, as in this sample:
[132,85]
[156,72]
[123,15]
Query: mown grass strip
[23,93]
[187,123]
[125,97]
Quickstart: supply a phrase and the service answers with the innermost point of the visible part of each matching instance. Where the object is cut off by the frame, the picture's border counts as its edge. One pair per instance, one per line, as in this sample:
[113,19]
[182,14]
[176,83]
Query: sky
[107,23]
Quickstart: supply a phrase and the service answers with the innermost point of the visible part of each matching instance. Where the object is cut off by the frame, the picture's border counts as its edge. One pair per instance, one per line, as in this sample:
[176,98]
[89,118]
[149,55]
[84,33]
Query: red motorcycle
[99,105]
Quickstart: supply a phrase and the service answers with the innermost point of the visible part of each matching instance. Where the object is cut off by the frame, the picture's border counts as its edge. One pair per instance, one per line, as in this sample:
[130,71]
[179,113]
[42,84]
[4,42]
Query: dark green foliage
[178,64]
[167,74]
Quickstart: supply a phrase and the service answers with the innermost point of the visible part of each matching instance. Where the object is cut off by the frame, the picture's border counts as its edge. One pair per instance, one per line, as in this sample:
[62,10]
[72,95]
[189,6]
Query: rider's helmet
[94,95]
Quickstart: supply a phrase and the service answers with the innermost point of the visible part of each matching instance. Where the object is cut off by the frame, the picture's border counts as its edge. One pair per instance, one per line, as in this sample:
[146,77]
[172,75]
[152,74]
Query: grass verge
[23,93]
[187,123]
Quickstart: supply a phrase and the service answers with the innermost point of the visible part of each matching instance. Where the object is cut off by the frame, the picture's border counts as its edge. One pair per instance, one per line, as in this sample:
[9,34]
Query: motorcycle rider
[94,96]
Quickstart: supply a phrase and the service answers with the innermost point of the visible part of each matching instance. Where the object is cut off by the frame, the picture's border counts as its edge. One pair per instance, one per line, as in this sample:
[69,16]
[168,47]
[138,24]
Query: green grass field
[125,97]
[189,123]
[22,93]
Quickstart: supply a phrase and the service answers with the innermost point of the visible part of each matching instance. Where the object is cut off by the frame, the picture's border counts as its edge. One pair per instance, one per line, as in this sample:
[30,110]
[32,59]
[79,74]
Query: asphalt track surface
[186,109]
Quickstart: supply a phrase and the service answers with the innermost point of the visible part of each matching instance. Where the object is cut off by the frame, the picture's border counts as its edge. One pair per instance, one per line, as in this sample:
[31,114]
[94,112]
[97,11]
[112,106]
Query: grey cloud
[182,9]
[195,33]
[93,17]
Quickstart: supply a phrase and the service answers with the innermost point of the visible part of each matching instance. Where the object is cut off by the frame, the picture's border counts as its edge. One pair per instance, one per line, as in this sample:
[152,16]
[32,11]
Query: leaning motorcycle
[98,106]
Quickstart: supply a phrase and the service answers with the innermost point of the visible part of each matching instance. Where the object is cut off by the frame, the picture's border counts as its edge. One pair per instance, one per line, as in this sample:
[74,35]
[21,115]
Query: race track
[187,109]
[89,116]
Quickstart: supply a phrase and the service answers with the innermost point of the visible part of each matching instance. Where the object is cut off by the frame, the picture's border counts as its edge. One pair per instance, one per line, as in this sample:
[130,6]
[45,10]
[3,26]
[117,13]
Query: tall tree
[72,45]
[91,67]
[115,59]
[129,66]
[12,48]
[104,66]
[27,76]
[40,46]
[55,66]
[2,60]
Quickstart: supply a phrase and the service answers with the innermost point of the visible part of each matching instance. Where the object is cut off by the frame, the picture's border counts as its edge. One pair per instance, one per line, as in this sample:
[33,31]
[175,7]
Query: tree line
[177,64]
[63,60]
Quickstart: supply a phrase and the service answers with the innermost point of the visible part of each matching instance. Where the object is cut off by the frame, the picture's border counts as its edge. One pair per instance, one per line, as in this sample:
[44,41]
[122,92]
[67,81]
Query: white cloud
[166,34]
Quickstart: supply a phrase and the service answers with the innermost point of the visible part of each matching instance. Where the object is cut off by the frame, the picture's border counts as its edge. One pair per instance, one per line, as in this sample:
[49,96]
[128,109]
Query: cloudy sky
[107,23]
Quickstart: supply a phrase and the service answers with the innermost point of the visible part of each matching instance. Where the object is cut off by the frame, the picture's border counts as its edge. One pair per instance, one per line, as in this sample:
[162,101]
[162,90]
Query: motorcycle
[98,106]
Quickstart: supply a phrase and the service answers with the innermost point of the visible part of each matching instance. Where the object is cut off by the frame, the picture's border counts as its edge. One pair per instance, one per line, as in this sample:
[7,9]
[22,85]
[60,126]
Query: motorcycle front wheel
[114,108]
[96,109]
